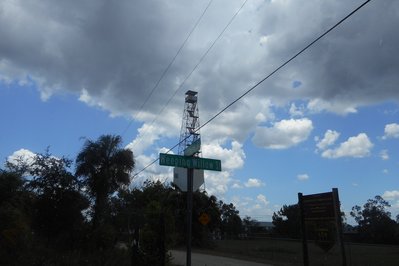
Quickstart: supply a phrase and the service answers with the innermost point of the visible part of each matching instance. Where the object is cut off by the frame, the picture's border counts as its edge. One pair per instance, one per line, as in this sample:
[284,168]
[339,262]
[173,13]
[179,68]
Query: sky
[75,70]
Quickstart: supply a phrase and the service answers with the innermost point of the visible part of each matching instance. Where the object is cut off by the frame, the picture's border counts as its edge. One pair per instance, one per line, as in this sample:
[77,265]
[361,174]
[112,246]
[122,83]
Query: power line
[186,78]
[265,78]
[167,68]
[196,66]
[203,56]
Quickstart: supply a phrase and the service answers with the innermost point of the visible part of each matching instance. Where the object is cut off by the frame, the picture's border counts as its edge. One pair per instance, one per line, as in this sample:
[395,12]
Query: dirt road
[198,259]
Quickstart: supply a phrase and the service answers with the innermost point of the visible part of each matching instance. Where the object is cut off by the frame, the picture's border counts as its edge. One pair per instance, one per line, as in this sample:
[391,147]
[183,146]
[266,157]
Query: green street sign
[190,162]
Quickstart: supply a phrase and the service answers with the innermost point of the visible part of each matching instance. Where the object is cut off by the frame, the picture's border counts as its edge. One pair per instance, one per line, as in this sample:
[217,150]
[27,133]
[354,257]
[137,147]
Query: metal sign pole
[190,173]
[189,162]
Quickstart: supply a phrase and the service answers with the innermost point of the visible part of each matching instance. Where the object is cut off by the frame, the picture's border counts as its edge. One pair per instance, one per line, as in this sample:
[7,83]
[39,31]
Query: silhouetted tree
[208,205]
[374,221]
[287,221]
[148,209]
[15,206]
[59,201]
[252,226]
[231,224]
[105,167]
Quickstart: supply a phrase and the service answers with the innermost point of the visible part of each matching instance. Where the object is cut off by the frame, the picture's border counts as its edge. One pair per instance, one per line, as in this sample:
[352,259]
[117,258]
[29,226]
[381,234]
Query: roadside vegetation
[59,211]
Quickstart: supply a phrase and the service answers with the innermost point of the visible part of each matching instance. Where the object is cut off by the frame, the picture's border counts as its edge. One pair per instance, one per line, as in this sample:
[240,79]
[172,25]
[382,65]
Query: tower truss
[190,123]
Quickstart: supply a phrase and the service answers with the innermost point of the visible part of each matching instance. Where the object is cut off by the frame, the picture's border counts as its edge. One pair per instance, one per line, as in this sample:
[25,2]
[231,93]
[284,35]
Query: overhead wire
[196,66]
[263,79]
[168,67]
[188,76]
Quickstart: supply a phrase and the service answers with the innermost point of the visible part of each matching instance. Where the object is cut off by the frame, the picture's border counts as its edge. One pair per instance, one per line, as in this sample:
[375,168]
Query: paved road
[198,259]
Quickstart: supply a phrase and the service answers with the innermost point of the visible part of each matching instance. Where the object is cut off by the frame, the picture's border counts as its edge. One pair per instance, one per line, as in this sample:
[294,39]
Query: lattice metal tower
[190,122]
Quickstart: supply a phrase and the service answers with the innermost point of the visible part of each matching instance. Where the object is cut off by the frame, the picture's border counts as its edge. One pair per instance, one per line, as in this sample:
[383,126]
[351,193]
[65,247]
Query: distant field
[289,252]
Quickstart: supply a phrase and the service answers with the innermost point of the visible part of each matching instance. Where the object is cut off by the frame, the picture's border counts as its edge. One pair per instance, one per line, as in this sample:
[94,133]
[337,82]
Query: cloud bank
[110,54]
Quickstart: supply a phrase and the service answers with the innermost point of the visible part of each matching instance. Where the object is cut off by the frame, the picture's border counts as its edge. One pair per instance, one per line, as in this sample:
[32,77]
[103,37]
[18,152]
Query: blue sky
[70,71]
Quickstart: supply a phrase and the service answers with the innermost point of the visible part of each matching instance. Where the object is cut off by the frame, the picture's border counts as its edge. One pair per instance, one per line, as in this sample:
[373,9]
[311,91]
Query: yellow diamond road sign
[204,219]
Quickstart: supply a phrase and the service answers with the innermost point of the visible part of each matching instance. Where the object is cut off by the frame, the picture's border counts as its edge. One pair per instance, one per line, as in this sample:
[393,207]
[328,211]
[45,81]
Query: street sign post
[190,163]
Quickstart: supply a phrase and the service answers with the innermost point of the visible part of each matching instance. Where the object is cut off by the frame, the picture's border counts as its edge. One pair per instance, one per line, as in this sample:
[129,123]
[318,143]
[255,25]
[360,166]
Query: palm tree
[105,167]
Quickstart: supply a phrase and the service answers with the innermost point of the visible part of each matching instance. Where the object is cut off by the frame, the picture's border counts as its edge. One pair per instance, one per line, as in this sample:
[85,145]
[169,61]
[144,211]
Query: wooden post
[338,223]
[305,252]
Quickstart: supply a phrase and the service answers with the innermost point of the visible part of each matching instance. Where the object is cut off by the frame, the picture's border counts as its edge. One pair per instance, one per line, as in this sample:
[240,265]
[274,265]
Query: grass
[283,252]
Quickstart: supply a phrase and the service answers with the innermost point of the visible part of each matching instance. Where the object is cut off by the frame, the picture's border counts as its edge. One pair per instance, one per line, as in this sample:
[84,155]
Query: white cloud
[303,177]
[231,158]
[283,134]
[384,155]
[22,156]
[92,50]
[385,171]
[297,111]
[391,195]
[151,132]
[153,172]
[255,207]
[263,40]
[216,183]
[85,97]
[262,198]
[391,131]
[236,186]
[253,182]
[147,136]
[238,122]
[329,139]
[357,147]
[340,107]
[395,205]
[91,46]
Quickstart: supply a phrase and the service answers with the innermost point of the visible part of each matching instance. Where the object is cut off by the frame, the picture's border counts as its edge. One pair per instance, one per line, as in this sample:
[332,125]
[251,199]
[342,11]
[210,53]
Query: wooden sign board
[321,221]
[318,207]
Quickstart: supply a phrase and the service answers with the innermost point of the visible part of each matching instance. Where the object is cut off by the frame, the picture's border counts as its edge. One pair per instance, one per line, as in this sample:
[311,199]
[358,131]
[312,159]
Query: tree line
[56,211]
[374,223]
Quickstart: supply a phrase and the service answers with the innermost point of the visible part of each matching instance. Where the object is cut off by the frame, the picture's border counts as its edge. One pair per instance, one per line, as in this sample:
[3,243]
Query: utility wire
[265,78]
[196,66]
[167,68]
[202,58]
